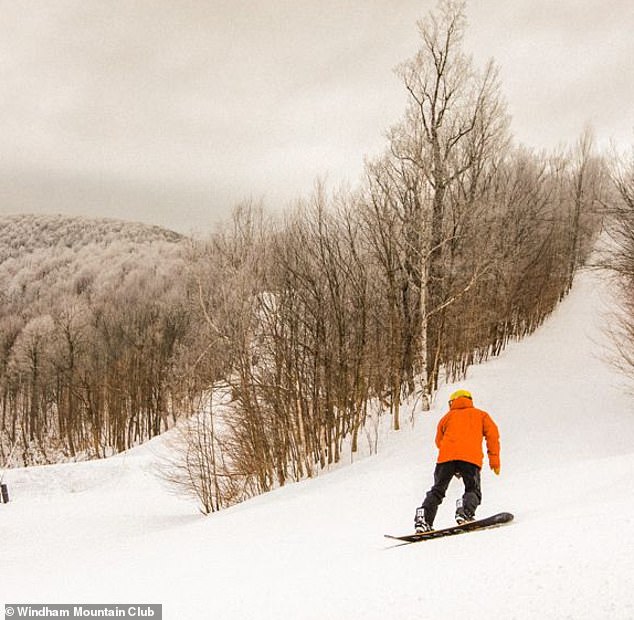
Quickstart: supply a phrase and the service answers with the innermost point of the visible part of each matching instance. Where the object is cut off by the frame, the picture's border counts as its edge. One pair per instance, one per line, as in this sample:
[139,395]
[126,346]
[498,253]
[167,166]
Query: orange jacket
[460,433]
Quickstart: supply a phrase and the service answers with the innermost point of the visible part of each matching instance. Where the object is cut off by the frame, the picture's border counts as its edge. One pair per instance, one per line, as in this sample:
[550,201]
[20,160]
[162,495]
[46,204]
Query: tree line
[456,242]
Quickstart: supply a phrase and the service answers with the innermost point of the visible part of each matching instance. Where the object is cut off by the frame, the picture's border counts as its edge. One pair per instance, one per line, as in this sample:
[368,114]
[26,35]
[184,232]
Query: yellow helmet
[460,393]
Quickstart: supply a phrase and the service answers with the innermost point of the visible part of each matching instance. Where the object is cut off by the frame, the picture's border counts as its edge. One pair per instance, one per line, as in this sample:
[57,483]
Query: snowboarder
[459,439]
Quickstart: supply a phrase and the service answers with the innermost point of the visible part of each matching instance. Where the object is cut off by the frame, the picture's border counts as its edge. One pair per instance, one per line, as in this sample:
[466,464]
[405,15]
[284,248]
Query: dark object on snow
[494,521]
[4,493]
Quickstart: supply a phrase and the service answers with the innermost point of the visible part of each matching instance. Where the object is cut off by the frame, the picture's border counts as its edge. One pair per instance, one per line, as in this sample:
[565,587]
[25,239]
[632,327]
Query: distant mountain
[28,233]
[44,257]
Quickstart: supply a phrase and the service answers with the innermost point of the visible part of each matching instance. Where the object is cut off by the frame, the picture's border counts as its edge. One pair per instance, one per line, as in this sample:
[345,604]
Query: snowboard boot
[420,525]
[462,515]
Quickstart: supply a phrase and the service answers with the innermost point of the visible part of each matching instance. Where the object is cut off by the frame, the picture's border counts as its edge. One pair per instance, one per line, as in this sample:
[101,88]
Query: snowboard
[494,521]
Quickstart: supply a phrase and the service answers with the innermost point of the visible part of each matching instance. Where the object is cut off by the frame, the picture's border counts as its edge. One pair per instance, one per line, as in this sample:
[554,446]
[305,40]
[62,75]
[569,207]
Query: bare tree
[455,125]
[587,181]
[195,462]
[621,255]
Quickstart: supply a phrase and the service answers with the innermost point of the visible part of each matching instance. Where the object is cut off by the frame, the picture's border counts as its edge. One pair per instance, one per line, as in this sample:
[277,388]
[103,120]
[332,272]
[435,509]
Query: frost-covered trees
[621,259]
[474,237]
[441,156]
[92,317]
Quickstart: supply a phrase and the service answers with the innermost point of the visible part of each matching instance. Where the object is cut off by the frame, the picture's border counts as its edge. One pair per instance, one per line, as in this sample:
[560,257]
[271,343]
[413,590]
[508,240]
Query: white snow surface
[110,532]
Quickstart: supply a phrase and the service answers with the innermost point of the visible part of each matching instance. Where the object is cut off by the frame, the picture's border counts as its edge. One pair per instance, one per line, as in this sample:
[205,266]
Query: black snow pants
[443,474]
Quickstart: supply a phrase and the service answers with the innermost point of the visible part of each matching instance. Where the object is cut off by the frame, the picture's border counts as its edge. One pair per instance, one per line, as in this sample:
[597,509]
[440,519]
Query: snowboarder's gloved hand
[496,470]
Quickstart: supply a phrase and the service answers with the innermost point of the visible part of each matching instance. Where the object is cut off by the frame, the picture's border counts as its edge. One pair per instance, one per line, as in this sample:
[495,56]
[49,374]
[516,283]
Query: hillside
[108,531]
[65,252]
[91,316]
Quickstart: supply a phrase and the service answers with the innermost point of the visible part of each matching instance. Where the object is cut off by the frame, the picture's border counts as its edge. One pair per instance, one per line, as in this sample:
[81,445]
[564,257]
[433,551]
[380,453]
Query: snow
[108,531]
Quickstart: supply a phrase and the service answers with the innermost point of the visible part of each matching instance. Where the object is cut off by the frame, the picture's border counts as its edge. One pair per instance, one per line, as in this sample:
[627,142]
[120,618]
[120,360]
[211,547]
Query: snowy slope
[108,532]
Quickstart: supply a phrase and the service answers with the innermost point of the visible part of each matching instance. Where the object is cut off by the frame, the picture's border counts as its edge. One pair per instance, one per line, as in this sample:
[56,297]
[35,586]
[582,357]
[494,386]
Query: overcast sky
[172,111]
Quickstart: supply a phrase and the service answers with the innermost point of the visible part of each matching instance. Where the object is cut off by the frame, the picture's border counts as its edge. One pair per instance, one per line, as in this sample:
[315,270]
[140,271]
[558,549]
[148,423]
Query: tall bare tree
[455,125]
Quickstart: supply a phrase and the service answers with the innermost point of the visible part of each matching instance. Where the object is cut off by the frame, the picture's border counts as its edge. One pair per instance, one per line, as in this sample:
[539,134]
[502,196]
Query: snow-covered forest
[88,334]
[457,241]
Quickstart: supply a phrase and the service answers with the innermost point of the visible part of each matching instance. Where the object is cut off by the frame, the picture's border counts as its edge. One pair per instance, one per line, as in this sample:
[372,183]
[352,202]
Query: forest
[276,339]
